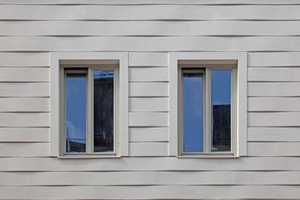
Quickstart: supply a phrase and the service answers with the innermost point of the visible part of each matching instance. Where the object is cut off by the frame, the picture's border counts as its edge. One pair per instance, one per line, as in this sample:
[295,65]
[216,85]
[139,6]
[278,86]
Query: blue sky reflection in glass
[192,112]
[76,113]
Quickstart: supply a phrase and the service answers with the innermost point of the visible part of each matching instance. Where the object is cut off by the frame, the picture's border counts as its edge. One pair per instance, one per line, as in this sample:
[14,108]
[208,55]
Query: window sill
[96,156]
[209,156]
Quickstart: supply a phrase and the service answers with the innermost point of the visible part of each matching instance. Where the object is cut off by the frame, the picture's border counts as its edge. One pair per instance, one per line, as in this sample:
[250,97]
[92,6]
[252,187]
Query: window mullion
[89,113]
[208,122]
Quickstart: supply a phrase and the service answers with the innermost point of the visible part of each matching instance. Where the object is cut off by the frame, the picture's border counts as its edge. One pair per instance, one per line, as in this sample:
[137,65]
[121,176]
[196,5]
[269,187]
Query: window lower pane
[192,112]
[76,113]
[103,110]
[221,110]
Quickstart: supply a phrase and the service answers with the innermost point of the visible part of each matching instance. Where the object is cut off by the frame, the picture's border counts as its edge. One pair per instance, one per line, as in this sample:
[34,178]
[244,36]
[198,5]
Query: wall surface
[268,30]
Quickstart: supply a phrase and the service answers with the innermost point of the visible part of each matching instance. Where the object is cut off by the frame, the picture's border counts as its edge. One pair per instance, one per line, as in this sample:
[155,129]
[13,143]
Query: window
[90,96]
[208,104]
[207,109]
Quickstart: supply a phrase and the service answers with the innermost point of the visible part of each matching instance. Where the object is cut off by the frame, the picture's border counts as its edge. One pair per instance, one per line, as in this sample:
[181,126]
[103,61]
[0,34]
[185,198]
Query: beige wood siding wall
[267,30]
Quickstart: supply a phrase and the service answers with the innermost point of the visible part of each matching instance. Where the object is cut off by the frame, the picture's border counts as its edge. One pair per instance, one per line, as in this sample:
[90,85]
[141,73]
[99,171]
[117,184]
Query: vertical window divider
[207,112]
[89,113]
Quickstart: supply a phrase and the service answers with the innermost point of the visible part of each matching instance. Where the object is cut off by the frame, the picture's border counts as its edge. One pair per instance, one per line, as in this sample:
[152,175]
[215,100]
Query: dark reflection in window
[76,113]
[103,110]
[192,112]
[221,110]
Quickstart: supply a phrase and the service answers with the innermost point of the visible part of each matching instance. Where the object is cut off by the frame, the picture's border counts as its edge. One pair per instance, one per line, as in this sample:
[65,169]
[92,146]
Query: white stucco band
[88,57]
[240,59]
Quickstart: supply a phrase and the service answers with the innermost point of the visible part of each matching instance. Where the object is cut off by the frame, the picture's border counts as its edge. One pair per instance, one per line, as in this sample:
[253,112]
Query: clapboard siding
[274,104]
[24,134]
[266,134]
[149,28]
[148,119]
[24,59]
[150,2]
[148,74]
[148,104]
[274,149]
[265,44]
[148,149]
[273,59]
[24,90]
[148,89]
[152,192]
[276,89]
[149,178]
[148,59]
[24,119]
[24,149]
[149,12]
[150,164]
[273,74]
[274,119]
[24,75]
[24,105]
[149,134]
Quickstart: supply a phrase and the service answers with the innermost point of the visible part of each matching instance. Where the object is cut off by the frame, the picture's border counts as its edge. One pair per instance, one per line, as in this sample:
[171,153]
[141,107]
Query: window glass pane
[76,113]
[192,112]
[103,110]
[221,110]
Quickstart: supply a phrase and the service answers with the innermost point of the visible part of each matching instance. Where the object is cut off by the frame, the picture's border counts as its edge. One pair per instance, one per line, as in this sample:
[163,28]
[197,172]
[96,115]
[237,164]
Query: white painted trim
[96,58]
[203,58]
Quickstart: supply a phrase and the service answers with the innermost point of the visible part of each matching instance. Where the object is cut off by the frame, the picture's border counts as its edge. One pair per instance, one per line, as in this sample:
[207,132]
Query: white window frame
[59,62]
[89,72]
[207,60]
[206,71]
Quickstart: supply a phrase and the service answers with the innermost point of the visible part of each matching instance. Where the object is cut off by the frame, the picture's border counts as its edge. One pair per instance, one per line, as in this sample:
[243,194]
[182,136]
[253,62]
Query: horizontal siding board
[154,163]
[146,59]
[149,28]
[274,149]
[149,43]
[148,119]
[24,105]
[273,59]
[148,89]
[24,90]
[150,12]
[273,104]
[24,149]
[148,178]
[148,149]
[274,74]
[24,134]
[148,104]
[24,119]
[143,2]
[148,74]
[274,89]
[24,59]
[148,134]
[151,192]
[24,74]
[273,134]
[274,119]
